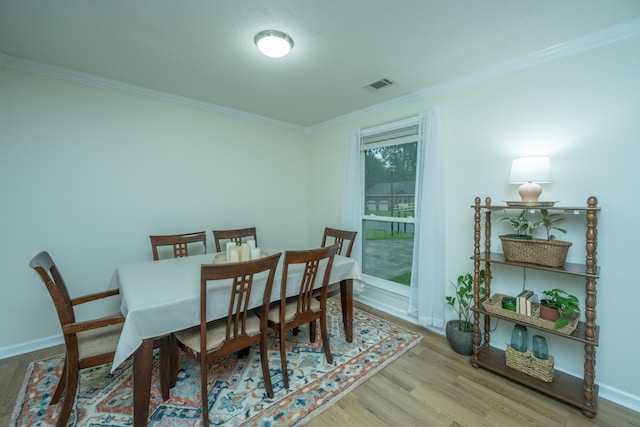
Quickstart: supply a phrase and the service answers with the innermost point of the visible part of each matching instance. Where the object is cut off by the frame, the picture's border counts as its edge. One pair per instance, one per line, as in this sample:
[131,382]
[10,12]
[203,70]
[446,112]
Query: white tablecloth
[160,297]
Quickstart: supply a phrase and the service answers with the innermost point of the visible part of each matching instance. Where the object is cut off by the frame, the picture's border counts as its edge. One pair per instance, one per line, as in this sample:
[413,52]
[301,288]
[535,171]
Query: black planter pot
[460,342]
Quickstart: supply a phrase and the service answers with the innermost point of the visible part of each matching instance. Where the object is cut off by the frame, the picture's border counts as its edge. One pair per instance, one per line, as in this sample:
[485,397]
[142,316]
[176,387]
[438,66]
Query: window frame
[378,133]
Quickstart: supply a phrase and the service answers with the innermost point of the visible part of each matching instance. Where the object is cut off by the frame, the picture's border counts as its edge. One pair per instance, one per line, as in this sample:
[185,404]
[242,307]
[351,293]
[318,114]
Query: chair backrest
[312,259]
[50,275]
[343,238]
[179,242]
[238,235]
[242,275]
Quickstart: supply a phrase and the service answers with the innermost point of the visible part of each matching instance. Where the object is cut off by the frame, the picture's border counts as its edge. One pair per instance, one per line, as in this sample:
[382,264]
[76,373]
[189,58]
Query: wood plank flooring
[428,386]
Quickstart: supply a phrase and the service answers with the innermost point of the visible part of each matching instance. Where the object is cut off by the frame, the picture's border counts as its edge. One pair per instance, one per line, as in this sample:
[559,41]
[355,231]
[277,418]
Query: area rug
[237,396]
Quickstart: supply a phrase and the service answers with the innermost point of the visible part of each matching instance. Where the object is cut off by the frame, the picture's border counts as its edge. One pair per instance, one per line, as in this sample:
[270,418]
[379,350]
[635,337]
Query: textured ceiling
[203,49]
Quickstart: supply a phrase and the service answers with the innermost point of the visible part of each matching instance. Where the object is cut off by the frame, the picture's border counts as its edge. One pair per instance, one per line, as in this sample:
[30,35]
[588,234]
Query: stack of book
[526,303]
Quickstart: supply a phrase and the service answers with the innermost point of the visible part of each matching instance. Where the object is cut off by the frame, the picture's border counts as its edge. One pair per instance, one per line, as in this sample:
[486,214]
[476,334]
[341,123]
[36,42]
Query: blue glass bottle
[540,349]
[519,338]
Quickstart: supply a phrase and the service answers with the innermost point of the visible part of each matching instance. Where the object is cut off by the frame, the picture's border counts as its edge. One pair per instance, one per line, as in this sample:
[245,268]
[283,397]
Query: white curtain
[426,300]
[352,206]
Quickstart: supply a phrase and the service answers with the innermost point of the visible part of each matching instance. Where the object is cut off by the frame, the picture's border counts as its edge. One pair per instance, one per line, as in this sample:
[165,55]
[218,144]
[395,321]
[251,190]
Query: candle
[251,243]
[230,245]
[234,254]
[245,252]
[255,253]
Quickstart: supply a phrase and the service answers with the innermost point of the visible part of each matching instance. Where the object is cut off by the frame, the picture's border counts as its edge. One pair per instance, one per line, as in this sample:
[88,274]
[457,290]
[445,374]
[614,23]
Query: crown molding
[66,74]
[594,40]
[603,37]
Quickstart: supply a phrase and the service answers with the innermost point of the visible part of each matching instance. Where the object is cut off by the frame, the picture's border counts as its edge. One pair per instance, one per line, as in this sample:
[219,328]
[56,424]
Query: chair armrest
[93,297]
[87,325]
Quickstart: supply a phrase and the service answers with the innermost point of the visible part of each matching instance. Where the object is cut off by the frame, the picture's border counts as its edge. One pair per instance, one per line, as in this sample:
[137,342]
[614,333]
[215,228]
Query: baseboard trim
[30,346]
[609,393]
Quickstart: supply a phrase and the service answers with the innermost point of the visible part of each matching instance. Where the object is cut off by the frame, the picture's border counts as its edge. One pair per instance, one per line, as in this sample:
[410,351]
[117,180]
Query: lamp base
[530,192]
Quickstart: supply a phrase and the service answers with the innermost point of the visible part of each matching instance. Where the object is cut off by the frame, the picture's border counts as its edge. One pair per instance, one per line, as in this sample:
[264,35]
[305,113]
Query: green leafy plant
[521,224]
[527,228]
[564,302]
[549,221]
[462,300]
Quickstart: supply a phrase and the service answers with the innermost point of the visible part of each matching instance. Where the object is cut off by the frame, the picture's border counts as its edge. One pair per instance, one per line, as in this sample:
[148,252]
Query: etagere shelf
[579,392]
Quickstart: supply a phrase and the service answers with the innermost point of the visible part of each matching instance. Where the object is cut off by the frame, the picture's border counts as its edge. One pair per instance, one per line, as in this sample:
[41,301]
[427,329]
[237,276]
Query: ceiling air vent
[380,84]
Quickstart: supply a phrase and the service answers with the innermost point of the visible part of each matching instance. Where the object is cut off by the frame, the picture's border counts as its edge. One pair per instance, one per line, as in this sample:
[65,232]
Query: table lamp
[530,172]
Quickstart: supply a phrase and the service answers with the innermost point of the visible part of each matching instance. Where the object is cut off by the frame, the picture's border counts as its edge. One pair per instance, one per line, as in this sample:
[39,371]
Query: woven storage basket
[526,363]
[550,253]
[494,306]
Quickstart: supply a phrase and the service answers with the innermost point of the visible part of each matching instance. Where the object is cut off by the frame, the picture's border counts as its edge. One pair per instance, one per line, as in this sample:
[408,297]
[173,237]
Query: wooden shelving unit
[579,392]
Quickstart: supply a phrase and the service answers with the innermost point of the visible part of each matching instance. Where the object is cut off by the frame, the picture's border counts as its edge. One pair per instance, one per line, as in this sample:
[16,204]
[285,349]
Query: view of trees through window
[390,163]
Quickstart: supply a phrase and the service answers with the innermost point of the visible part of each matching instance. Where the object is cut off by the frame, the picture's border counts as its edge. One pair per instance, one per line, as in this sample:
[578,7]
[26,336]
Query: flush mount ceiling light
[273,43]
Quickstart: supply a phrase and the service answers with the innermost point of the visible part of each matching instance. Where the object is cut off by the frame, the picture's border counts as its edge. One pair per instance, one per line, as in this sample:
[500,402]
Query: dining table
[162,297]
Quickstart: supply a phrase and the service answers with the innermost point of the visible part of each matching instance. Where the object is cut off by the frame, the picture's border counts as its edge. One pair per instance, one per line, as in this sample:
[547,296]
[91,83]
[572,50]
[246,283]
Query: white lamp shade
[530,169]
[274,44]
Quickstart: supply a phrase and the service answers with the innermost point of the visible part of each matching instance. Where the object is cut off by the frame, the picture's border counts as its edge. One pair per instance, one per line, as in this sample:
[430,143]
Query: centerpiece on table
[522,247]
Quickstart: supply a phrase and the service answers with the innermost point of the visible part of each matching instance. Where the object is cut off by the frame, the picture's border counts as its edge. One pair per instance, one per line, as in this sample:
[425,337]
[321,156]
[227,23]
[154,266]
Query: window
[389,157]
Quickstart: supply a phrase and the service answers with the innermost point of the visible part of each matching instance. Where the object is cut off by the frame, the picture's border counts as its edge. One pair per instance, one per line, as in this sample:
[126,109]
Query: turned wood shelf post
[579,392]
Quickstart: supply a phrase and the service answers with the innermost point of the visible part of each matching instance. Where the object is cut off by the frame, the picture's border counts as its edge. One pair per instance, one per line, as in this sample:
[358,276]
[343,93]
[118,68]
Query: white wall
[89,174]
[582,111]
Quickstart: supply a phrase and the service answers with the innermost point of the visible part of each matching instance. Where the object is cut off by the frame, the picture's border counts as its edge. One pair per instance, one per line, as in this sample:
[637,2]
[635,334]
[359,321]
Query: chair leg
[165,366]
[264,360]
[204,392]
[325,338]
[312,331]
[173,361]
[62,382]
[283,357]
[69,395]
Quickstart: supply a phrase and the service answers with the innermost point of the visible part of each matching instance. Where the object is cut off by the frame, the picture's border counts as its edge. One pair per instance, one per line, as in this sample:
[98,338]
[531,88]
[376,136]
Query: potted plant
[460,331]
[523,228]
[548,221]
[561,304]
[522,247]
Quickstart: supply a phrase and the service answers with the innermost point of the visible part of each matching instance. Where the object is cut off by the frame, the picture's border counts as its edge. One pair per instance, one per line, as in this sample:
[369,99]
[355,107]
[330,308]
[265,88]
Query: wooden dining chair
[239,236]
[240,329]
[290,313]
[345,240]
[88,343]
[179,242]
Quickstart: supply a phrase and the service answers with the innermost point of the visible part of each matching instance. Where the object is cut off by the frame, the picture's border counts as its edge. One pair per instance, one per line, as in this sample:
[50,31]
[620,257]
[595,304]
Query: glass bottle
[540,349]
[519,338]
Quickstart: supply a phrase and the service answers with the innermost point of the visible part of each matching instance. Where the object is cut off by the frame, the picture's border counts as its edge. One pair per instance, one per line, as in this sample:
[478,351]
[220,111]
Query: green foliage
[521,224]
[462,300]
[564,302]
[403,279]
[524,227]
[548,221]
[376,234]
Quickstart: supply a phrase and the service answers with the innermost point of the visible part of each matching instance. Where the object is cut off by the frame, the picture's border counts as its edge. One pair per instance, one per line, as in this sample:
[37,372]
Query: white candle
[255,253]
[234,254]
[245,252]
[251,243]
[230,245]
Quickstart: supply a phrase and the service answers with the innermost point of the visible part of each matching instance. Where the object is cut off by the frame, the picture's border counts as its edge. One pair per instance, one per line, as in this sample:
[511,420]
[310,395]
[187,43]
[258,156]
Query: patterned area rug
[236,390]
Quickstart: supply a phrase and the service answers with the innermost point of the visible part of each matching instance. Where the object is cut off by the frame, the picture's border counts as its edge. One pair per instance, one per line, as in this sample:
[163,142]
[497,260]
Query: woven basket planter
[550,253]
[527,363]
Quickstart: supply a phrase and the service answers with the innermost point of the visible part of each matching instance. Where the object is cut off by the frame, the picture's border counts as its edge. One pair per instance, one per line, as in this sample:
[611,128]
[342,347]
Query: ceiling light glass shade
[274,44]
[530,171]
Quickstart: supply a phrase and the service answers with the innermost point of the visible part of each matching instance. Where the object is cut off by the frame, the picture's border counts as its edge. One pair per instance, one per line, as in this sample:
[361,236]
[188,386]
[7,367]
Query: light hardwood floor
[428,386]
